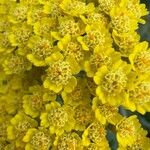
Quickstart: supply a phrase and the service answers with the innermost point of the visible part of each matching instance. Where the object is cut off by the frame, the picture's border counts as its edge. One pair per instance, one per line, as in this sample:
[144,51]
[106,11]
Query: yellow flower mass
[74,75]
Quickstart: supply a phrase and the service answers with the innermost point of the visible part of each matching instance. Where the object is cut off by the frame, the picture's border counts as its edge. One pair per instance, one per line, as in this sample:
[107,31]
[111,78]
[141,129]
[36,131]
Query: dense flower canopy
[66,69]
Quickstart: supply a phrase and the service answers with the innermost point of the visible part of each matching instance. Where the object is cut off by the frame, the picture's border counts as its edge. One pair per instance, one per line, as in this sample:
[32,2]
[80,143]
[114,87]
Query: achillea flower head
[57,118]
[60,73]
[37,139]
[68,141]
[95,133]
[19,126]
[112,83]
[70,73]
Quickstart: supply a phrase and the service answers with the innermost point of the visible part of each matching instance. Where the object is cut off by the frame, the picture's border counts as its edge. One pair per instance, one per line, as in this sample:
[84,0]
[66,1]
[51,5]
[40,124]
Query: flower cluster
[66,67]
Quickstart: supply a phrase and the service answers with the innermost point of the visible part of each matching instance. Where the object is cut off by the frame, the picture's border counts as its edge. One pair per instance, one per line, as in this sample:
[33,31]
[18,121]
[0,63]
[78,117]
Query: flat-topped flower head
[34,103]
[95,36]
[142,61]
[71,48]
[141,142]
[37,139]
[140,58]
[68,25]
[112,82]
[141,95]
[53,9]
[122,21]
[126,42]
[5,45]
[105,112]
[35,14]
[15,64]
[57,118]
[99,58]
[11,101]
[68,141]
[138,95]
[95,133]
[20,34]
[60,73]
[95,18]
[20,123]
[41,48]
[128,130]
[18,13]
[63,76]
[138,10]
[76,7]
[80,94]
[107,5]
[83,116]
[44,26]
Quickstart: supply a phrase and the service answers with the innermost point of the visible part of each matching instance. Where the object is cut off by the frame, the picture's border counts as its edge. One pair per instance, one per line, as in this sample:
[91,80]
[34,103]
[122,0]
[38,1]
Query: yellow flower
[76,8]
[44,26]
[71,48]
[80,94]
[15,64]
[83,116]
[139,94]
[142,143]
[60,73]
[35,14]
[98,58]
[136,9]
[107,5]
[112,83]
[68,141]
[20,123]
[95,133]
[126,42]
[95,18]
[96,35]
[58,118]
[52,8]
[18,13]
[20,34]
[122,21]
[128,130]
[41,48]
[34,102]
[5,45]
[140,58]
[105,112]
[68,25]
[49,95]
[37,139]
[12,101]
